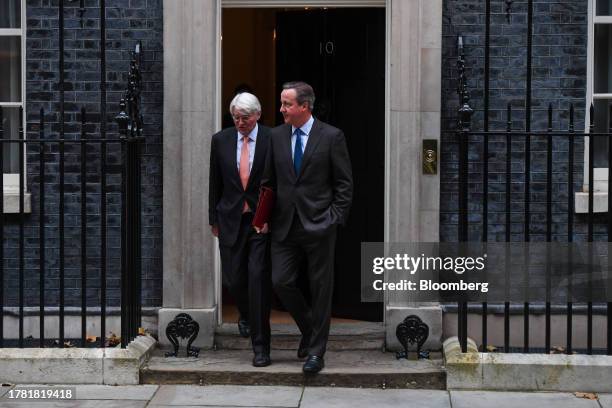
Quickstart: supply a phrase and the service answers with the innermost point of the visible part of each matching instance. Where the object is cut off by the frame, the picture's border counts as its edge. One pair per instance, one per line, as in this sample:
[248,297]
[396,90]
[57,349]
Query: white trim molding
[10,181]
[600,200]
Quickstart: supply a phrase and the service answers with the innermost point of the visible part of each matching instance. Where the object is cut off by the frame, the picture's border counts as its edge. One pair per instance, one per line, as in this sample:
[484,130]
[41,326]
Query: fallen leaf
[113,340]
[490,348]
[141,331]
[586,395]
[91,339]
[557,350]
[56,343]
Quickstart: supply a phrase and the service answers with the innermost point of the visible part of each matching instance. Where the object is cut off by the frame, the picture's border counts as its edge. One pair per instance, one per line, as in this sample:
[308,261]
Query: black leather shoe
[313,365]
[303,348]
[244,328]
[261,360]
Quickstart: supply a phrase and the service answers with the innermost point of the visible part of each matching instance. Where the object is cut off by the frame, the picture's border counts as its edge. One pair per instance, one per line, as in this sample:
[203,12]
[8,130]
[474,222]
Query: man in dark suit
[309,168]
[237,160]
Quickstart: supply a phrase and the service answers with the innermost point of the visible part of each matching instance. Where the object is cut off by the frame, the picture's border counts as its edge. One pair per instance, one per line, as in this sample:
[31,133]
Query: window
[12,92]
[601,77]
[599,92]
[11,78]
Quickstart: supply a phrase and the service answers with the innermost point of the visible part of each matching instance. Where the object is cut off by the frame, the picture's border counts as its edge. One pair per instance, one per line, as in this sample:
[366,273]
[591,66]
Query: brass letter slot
[430,156]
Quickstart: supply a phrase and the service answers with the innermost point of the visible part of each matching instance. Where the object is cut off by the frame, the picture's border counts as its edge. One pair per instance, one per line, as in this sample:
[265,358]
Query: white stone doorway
[192,113]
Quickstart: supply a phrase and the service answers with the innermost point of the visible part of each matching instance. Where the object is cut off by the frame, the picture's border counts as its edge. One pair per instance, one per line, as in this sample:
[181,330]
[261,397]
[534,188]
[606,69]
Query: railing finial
[465,111]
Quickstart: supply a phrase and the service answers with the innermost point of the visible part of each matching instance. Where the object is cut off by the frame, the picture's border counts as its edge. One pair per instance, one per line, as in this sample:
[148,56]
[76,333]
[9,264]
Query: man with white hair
[237,160]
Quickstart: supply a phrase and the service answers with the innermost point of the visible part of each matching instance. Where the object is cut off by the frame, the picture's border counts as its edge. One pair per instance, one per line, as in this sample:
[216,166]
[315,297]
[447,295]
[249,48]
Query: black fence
[466,137]
[114,156]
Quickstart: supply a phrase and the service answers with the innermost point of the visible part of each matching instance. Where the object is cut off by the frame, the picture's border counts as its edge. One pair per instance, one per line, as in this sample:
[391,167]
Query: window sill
[11,202]
[600,202]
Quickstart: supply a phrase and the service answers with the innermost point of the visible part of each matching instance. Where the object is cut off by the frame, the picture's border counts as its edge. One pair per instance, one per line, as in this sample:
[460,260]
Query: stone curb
[111,366]
[524,372]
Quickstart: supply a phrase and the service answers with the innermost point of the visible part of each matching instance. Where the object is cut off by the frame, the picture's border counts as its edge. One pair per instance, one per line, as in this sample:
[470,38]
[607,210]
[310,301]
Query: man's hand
[215,230]
[263,230]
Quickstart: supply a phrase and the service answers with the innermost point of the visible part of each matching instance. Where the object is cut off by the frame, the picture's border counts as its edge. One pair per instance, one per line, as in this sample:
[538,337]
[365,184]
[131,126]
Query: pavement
[190,396]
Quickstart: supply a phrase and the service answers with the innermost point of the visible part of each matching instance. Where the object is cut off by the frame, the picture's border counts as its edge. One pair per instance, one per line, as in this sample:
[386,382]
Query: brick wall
[558,78]
[128,21]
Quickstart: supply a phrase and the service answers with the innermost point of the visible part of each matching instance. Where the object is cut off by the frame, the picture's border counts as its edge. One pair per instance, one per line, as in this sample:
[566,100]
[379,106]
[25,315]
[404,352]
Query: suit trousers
[246,274]
[318,251]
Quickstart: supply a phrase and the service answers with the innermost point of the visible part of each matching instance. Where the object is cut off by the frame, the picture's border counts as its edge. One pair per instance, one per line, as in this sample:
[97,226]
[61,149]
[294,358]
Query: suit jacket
[225,193]
[321,192]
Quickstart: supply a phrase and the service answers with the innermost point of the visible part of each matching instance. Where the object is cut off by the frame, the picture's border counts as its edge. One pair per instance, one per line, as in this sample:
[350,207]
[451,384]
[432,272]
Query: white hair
[246,102]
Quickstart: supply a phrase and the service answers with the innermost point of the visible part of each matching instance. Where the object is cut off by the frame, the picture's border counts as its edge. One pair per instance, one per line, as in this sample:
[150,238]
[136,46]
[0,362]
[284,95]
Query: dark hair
[303,91]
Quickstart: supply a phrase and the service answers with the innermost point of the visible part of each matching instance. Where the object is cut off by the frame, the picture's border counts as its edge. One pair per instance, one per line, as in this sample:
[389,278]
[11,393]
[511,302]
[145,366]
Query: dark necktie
[297,152]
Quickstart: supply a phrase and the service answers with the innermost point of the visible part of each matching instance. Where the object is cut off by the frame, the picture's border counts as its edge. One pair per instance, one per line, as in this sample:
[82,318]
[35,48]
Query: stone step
[361,369]
[342,336]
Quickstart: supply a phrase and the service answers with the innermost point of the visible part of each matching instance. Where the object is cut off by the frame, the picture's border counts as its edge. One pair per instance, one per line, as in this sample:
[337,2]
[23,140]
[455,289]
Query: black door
[341,53]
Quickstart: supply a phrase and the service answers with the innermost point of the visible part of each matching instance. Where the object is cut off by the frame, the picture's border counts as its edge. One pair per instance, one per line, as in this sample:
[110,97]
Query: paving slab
[74,404]
[109,392]
[605,400]
[329,397]
[227,395]
[361,368]
[498,399]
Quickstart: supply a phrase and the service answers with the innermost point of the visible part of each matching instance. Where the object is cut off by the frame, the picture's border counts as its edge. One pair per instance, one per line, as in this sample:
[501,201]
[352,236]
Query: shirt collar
[252,135]
[306,127]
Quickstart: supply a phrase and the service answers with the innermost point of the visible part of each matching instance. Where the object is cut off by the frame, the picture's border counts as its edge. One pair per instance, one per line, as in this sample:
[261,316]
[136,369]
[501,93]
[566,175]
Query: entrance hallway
[342,57]
[140,396]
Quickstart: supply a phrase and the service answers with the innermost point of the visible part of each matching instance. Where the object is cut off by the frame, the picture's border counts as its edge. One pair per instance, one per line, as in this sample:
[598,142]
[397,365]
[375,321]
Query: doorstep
[342,337]
[348,368]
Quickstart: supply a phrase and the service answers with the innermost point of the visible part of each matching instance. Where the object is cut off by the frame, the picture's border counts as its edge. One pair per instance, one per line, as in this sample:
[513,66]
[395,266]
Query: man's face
[293,113]
[245,122]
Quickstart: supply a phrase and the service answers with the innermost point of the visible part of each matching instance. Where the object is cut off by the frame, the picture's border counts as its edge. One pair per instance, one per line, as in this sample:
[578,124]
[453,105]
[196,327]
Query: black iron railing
[466,136]
[50,156]
[130,125]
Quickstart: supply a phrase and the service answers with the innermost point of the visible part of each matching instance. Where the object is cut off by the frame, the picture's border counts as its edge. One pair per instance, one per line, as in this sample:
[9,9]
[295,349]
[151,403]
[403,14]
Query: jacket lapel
[286,148]
[259,157]
[313,140]
[230,154]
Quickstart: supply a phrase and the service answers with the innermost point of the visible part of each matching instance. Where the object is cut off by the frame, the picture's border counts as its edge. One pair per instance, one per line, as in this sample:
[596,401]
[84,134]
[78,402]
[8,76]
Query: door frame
[221,4]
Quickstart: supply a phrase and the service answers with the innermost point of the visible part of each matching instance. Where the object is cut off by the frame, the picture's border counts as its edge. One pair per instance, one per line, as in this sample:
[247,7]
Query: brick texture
[128,21]
[558,78]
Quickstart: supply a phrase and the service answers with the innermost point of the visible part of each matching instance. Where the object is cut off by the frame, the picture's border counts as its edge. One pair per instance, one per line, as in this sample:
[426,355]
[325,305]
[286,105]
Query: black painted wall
[128,21]
[558,77]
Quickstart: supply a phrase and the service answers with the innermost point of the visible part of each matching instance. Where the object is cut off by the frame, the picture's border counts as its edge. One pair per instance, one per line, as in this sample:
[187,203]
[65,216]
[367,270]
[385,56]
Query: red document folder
[264,207]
